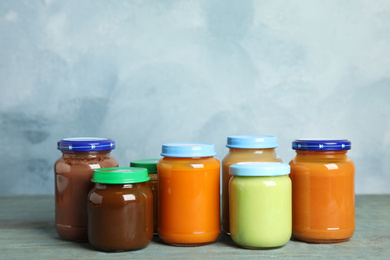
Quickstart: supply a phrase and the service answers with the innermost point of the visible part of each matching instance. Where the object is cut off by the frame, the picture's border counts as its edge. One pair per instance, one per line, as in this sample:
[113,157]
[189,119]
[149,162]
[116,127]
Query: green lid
[149,164]
[120,175]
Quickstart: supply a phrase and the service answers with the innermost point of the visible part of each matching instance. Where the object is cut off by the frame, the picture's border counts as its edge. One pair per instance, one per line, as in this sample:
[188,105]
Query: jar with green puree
[244,148]
[260,204]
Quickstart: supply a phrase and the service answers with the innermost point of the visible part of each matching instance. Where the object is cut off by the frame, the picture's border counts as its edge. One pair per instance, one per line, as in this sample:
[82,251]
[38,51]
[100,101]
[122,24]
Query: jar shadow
[223,238]
[294,239]
[156,239]
[88,246]
[227,240]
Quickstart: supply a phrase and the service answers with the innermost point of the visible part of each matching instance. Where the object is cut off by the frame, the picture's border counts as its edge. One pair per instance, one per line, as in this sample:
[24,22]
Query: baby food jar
[120,209]
[188,186]
[244,148]
[260,204]
[151,166]
[73,173]
[323,191]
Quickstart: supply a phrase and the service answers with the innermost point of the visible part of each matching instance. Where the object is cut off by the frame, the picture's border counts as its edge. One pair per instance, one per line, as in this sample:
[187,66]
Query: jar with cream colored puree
[73,173]
[244,148]
[260,204]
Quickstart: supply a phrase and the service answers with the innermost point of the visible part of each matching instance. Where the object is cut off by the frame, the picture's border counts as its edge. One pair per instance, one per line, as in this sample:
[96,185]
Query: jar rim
[149,164]
[120,175]
[321,144]
[259,169]
[252,141]
[188,150]
[86,144]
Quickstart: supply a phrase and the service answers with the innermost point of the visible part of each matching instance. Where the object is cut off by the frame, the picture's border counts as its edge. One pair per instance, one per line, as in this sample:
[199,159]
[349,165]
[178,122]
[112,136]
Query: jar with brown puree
[73,173]
[151,166]
[120,209]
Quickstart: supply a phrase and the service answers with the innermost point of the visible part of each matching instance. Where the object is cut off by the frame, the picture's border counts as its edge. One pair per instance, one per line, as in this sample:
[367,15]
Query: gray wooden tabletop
[27,232]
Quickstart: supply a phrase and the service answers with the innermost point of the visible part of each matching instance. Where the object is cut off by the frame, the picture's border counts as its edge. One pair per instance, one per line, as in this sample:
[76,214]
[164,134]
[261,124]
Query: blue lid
[319,144]
[85,144]
[188,150]
[252,141]
[259,169]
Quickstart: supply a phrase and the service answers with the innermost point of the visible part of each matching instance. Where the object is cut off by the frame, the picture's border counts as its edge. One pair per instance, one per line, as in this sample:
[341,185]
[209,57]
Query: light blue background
[146,73]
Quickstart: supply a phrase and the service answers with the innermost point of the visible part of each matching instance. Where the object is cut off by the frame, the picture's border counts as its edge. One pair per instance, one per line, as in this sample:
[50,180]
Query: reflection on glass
[128,197]
[331,166]
[94,166]
[197,165]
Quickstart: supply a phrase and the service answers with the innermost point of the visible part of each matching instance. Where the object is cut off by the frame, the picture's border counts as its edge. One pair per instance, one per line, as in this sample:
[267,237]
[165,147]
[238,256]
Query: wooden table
[27,232]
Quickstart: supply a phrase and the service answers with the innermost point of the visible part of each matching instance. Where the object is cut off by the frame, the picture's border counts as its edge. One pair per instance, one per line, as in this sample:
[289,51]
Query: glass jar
[260,204]
[323,191]
[244,148]
[188,186]
[151,166]
[120,209]
[73,173]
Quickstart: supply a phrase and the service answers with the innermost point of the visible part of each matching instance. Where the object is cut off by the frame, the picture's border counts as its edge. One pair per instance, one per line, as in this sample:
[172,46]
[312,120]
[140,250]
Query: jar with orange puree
[188,200]
[323,195]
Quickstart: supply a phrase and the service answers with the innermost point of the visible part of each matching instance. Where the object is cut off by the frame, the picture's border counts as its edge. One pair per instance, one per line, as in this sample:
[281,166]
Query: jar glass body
[237,155]
[120,216]
[323,196]
[152,184]
[189,196]
[260,211]
[73,173]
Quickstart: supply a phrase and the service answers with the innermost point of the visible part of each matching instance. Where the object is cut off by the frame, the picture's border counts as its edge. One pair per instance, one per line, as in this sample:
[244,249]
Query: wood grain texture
[27,232]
